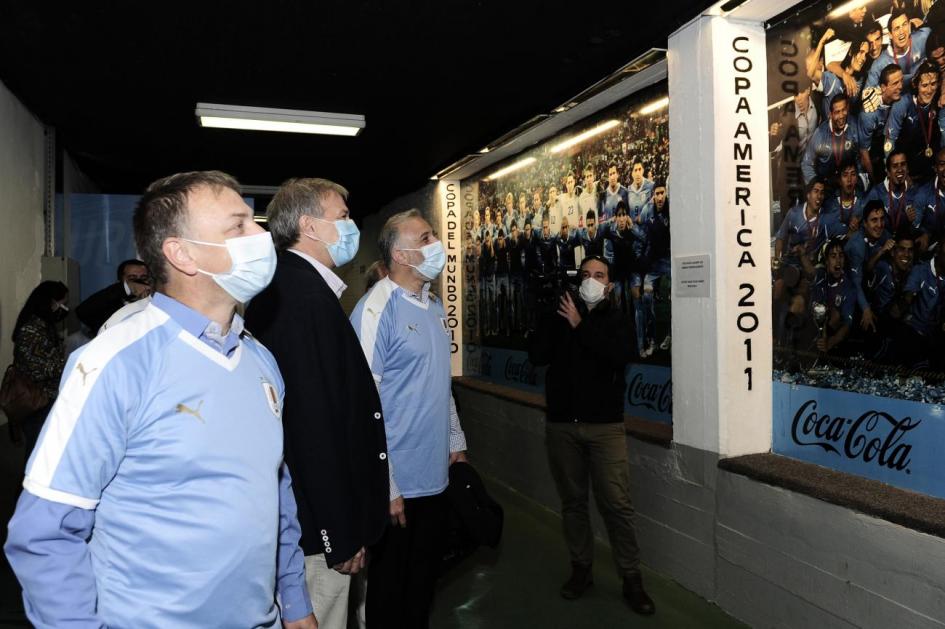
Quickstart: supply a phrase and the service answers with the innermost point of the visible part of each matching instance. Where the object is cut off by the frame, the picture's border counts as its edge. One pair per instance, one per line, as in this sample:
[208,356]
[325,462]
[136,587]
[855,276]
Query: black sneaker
[580,580]
[639,601]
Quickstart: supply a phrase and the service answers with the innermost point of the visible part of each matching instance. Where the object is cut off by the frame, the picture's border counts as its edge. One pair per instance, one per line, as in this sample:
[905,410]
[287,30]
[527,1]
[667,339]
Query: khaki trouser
[578,452]
[328,591]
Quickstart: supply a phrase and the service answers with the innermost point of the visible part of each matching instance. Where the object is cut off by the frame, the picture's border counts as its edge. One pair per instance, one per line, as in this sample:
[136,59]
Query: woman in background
[374,274]
[38,349]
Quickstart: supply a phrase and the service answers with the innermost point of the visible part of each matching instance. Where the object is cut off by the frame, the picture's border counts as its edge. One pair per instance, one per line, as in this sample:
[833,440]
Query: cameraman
[587,344]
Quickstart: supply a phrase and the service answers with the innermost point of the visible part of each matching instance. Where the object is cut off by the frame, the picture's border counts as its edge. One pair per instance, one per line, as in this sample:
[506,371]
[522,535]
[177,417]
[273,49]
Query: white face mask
[592,292]
[345,247]
[254,264]
[434,259]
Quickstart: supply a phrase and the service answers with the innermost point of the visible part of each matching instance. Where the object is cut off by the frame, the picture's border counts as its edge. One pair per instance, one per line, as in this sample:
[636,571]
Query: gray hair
[294,199]
[390,233]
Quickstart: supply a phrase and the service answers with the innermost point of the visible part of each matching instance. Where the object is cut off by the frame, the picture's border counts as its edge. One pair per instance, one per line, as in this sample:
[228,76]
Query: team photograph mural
[856,114]
[527,231]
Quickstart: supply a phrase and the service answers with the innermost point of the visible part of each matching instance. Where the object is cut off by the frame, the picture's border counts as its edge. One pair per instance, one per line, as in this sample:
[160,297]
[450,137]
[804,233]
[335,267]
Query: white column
[719,190]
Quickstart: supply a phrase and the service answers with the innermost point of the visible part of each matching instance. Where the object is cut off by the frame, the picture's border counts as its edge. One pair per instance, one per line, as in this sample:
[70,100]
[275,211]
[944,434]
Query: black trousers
[404,567]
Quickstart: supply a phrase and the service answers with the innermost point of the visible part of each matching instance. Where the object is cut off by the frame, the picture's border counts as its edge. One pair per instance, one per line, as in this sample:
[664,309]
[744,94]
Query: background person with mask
[333,423]
[38,351]
[134,283]
[157,495]
[587,345]
[406,342]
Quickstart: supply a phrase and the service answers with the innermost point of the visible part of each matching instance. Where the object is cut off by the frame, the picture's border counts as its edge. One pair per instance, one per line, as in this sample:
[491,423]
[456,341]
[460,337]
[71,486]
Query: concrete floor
[514,586]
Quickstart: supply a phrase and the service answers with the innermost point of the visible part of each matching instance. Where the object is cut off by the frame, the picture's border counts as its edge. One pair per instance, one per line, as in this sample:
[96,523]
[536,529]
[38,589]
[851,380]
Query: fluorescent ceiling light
[846,7]
[260,190]
[601,128]
[511,169]
[654,106]
[731,5]
[783,101]
[284,120]
[261,219]
[485,150]
[724,7]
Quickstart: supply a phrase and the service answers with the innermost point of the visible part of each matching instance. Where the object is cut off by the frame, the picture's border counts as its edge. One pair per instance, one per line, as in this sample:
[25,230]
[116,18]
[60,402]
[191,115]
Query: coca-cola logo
[873,436]
[519,371]
[656,396]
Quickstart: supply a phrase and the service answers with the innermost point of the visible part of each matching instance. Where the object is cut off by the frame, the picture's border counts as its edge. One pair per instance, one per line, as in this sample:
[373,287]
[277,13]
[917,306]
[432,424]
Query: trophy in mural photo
[819,311]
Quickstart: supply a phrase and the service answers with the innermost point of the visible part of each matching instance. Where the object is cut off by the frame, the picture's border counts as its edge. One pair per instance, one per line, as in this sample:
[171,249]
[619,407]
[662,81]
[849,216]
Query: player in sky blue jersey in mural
[836,141]
[906,49]
[843,210]
[614,193]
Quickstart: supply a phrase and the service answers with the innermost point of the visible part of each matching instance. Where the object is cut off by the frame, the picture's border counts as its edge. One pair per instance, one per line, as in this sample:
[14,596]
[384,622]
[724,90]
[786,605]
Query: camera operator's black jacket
[95,310]
[585,379]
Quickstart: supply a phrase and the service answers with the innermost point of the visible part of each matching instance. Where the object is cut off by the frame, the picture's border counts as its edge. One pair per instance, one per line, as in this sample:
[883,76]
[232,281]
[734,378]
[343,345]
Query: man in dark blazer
[335,444]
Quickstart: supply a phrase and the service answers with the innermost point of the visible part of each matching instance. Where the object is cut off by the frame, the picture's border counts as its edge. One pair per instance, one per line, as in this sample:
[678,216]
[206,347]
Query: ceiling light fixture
[783,101]
[846,7]
[284,120]
[654,106]
[511,169]
[641,72]
[731,5]
[263,191]
[601,128]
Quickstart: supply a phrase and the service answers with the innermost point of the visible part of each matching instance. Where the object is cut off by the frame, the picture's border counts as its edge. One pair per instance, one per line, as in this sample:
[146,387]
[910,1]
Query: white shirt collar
[423,297]
[841,131]
[907,53]
[888,184]
[334,282]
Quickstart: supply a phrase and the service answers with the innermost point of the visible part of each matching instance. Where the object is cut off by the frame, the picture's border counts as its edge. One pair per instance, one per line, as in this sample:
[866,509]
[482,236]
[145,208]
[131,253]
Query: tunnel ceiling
[435,80]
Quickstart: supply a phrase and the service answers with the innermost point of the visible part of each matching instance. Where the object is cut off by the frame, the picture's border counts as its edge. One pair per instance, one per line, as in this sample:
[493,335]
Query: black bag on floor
[474,518]
[480,516]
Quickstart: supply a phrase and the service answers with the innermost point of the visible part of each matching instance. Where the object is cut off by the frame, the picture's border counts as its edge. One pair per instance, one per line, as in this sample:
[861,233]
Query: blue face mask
[345,248]
[434,259]
[254,264]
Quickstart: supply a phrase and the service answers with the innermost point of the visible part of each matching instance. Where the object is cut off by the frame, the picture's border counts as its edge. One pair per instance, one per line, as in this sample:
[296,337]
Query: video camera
[549,288]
